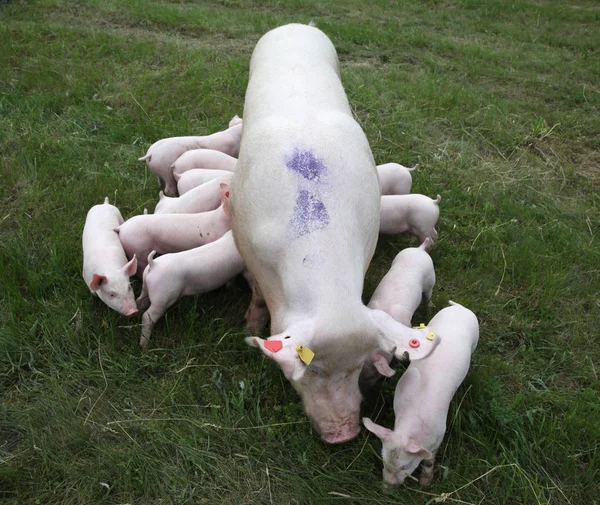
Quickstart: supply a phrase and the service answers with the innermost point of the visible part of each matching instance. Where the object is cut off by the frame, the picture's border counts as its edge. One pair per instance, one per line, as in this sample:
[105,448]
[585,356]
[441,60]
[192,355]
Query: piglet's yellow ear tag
[305,354]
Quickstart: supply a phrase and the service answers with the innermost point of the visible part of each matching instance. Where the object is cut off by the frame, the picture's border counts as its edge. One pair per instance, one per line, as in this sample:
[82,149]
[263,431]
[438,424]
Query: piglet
[423,396]
[415,214]
[199,199]
[196,177]
[203,158]
[194,272]
[410,280]
[162,154]
[395,179]
[106,270]
[170,233]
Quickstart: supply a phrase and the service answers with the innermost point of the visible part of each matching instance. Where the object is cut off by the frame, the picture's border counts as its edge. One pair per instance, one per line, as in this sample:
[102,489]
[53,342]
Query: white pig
[162,154]
[410,280]
[106,270]
[305,216]
[415,214]
[199,199]
[193,178]
[395,179]
[203,158]
[170,233]
[193,272]
[423,397]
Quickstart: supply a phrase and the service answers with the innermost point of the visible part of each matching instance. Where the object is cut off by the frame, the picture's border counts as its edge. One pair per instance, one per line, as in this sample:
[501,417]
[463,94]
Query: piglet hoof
[144,343]
[425,481]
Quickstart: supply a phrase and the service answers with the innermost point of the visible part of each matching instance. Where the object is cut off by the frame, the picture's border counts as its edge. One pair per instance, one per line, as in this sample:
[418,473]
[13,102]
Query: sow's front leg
[257,315]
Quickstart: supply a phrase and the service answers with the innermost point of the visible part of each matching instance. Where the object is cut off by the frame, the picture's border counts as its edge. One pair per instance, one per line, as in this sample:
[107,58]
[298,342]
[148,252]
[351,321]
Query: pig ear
[224,190]
[416,343]
[414,447]
[97,281]
[131,267]
[381,360]
[286,357]
[381,432]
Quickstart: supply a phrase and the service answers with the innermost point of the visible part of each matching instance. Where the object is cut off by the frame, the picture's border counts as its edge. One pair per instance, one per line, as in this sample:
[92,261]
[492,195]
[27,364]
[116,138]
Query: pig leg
[427,466]
[257,315]
[143,301]
[151,316]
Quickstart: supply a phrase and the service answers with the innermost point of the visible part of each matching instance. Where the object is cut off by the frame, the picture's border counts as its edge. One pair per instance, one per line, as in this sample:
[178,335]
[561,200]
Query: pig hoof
[143,344]
[425,482]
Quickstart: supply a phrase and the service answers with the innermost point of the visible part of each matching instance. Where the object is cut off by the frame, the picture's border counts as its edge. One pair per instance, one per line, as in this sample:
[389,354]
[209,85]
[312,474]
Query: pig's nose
[131,312]
[340,437]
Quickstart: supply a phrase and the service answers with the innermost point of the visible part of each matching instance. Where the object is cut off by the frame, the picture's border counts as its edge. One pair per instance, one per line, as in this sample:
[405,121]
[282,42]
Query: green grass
[498,102]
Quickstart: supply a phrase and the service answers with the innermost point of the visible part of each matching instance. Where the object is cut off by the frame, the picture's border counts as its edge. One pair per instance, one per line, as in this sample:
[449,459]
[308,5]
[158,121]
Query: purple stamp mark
[309,214]
[305,163]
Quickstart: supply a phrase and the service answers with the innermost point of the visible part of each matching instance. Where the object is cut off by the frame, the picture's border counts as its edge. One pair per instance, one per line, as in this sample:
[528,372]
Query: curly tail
[151,260]
[413,168]
[145,158]
[439,199]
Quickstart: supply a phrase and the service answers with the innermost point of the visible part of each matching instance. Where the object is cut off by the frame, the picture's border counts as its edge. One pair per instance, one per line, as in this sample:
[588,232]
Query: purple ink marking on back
[309,214]
[306,164]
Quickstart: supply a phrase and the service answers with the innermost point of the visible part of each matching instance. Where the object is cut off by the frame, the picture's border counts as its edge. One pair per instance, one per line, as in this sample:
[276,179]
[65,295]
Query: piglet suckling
[409,281]
[196,177]
[423,396]
[415,214]
[162,154]
[106,270]
[170,233]
[199,199]
[395,179]
[193,272]
[203,158]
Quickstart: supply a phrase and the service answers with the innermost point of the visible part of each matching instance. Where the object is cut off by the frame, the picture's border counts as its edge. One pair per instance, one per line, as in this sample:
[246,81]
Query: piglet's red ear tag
[273,345]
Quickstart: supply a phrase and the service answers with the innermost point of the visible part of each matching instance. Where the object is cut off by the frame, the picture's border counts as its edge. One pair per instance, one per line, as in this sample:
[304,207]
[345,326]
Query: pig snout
[130,312]
[341,433]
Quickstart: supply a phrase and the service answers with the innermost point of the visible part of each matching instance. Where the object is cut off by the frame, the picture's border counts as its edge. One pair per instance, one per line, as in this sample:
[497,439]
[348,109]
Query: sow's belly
[305,200]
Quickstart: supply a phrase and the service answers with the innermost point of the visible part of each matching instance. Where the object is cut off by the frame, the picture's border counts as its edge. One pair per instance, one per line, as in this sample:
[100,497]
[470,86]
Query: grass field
[498,102]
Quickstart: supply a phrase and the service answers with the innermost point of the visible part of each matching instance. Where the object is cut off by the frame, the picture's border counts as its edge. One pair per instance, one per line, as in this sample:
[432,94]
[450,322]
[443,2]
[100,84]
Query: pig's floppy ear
[414,447]
[285,356]
[381,361]
[97,281]
[131,267]
[381,432]
[416,343]
[224,192]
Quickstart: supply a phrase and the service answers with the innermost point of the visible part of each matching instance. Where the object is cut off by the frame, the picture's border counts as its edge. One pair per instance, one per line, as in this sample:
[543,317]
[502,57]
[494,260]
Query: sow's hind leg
[257,315]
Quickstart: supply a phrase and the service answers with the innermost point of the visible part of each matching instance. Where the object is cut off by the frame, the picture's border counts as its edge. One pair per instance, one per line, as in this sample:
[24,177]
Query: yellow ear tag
[422,325]
[430,336]
[305,354]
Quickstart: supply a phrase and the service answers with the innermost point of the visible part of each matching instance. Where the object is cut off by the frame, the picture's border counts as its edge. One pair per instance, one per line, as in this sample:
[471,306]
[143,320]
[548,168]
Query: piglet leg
[427,466]
[153,314]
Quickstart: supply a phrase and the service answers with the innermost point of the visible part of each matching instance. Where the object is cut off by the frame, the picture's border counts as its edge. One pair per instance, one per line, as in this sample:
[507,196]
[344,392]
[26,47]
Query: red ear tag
[273,345]
[227,194]
[413,342]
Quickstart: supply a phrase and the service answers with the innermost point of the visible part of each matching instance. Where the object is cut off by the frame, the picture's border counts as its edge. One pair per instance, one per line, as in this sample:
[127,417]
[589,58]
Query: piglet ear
[131,267]
[224,191]
[97,281]
[381,432]
[413,447]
